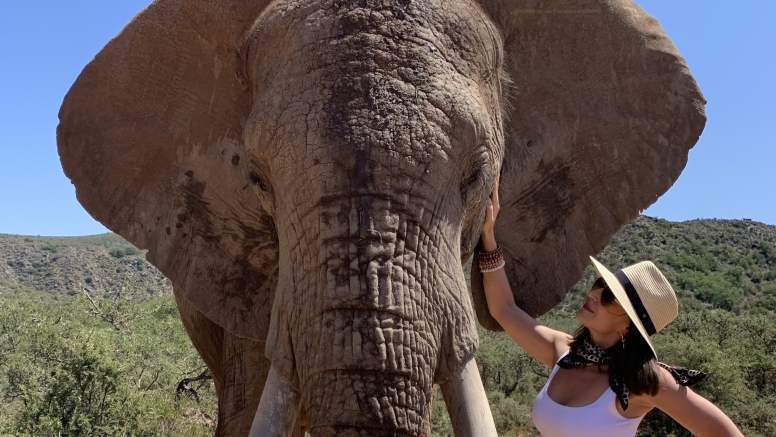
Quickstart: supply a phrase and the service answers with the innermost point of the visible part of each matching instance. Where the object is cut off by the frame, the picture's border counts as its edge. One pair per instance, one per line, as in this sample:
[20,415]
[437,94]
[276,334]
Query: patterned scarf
[588,354]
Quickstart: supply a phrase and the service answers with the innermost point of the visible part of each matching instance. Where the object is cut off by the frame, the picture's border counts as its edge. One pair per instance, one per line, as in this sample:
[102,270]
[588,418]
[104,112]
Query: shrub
[767,251]
[121,252]
[117,252]
[66,371]
[713,288]
[83,397]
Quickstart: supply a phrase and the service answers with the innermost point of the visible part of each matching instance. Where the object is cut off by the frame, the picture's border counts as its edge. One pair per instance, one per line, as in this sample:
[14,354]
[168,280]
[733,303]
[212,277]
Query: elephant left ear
[151,135]
[602,116]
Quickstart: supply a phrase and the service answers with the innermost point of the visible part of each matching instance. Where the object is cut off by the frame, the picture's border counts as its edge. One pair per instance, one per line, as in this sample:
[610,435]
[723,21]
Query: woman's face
[602,313]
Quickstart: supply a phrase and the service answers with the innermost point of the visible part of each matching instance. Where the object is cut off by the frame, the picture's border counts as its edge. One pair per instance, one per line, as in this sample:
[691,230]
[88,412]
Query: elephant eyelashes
[476,178]
[258,181]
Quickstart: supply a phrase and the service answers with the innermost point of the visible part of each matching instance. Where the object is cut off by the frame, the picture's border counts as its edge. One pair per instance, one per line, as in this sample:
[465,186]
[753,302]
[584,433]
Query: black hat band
[635,300]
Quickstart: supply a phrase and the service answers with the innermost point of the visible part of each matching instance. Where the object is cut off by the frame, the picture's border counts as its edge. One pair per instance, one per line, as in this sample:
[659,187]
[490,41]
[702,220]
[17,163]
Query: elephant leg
[467,403]
[238,365]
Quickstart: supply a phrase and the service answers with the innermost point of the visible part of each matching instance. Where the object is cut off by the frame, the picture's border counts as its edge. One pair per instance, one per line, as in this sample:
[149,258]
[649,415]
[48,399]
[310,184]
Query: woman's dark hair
[634,362]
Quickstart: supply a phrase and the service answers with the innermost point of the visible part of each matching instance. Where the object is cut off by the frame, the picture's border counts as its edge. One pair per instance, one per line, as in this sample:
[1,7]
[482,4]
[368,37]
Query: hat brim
[622,298]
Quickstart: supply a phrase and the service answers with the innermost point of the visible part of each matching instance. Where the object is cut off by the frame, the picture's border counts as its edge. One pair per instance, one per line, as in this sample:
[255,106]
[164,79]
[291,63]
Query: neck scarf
[588,354]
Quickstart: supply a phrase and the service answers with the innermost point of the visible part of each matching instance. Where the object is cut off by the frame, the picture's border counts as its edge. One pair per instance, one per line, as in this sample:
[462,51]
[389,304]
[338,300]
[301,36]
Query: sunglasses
[607,297]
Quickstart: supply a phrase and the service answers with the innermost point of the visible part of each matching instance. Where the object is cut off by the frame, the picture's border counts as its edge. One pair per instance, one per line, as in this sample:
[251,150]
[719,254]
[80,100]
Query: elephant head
[310,174]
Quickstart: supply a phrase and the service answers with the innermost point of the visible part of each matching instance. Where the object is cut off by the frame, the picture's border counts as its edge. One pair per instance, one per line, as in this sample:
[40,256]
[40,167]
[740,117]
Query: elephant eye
[258,181]
[477,175]
[473,185]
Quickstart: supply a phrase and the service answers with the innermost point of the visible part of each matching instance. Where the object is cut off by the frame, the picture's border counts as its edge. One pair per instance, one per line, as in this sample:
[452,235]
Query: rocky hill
[729,264]
[100,264]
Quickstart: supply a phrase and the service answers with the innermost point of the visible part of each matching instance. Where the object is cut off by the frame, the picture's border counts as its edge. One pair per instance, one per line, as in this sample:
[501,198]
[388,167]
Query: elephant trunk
[380,337]
[374,374]
[464,395]
[373,321]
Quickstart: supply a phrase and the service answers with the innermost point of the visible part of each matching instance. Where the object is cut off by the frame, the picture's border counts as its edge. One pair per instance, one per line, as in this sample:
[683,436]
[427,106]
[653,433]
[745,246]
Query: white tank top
[600,418]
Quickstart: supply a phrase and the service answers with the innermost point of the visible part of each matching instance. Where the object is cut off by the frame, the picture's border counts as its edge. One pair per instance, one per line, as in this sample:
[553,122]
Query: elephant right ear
[151,136]
[602,116]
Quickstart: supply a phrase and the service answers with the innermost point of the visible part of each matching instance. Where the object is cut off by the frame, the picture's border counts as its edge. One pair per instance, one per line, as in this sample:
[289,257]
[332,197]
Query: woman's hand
[491,212]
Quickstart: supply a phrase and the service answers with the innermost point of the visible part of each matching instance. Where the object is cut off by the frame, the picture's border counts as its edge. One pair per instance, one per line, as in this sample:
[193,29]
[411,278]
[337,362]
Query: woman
[606,377]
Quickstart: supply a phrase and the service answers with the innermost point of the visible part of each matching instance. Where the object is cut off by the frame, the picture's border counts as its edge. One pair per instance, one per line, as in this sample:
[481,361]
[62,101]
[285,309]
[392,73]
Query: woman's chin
[582,315]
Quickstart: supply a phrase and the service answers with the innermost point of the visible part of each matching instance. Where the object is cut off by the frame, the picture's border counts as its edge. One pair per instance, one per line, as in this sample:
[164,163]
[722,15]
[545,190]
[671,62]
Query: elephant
[311,175]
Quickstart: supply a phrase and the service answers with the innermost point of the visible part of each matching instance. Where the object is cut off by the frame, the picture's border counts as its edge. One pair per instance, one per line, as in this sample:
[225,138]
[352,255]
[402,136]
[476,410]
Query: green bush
[713,288]
[85,396]
[703,261]
[121,252]
[66,370]
[738,353]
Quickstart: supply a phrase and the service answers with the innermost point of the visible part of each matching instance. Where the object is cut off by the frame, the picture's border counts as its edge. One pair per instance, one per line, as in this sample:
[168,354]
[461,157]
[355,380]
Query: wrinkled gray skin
[311,174]
[379,150]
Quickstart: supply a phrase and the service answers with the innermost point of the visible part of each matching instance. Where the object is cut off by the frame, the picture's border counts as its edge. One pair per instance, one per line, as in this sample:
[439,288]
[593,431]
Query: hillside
[729,264]
[151,381]
[99,264]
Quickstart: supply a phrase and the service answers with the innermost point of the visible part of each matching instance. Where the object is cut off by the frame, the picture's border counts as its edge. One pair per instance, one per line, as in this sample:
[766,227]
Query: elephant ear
[151,136]
[602,116]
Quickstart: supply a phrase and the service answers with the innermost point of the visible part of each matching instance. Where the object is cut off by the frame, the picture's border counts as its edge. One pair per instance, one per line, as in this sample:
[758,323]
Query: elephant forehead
[361,72]
[458,29]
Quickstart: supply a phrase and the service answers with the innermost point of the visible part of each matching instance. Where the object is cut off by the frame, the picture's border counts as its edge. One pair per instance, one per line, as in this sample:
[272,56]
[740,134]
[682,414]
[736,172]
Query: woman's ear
[603,113]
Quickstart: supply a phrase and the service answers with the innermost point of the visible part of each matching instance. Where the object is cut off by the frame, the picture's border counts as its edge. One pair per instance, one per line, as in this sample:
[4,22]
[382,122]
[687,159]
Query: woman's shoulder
[561,350]
[665,379]
[667,385]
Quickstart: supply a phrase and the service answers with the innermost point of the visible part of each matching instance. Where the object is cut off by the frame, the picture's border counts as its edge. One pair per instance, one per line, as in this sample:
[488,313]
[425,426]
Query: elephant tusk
[467,403]
[278,408]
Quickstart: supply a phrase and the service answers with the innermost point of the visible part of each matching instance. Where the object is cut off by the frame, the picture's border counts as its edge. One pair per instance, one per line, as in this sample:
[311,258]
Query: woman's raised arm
[691,410]
[546,345]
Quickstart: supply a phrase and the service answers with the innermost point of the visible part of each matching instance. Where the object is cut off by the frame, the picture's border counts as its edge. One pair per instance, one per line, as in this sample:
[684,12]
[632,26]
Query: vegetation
[122,251]
[724,272]
[108,363]
[64,265]
[98,367]
[738,352]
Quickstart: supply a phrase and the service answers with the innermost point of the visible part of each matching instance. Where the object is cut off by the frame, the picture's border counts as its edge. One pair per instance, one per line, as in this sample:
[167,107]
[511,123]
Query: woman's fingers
[495,193]
[494,199]
[492,207]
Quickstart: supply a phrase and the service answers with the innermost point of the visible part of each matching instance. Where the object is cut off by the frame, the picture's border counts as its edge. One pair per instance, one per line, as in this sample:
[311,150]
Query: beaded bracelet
[491,261]
[498,266]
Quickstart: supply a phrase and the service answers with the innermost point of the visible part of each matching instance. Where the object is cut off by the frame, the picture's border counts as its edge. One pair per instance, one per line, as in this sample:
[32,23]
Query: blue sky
[729,47]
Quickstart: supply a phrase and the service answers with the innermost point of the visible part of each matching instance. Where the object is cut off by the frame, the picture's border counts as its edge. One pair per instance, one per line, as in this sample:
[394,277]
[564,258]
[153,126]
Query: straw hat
[645,293]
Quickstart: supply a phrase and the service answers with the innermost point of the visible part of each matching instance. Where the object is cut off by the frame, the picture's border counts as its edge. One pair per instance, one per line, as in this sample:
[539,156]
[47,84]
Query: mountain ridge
[100,264]
[725,263]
